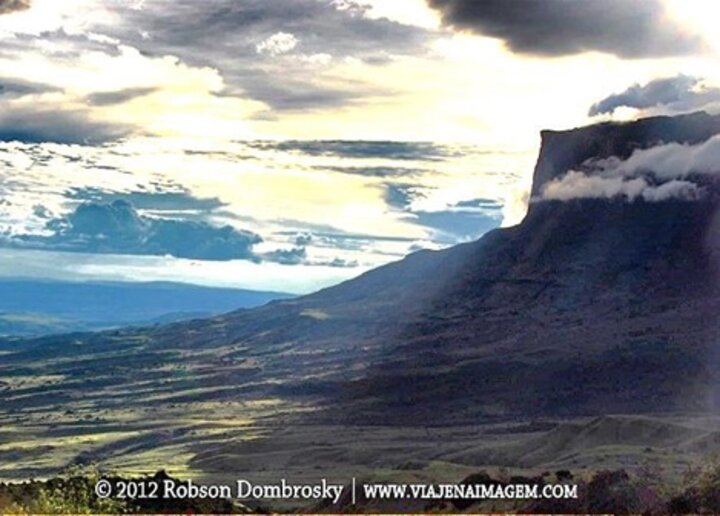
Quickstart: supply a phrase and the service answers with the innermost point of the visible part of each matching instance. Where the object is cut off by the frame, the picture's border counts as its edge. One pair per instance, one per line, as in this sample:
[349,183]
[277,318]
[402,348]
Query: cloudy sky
[290,144]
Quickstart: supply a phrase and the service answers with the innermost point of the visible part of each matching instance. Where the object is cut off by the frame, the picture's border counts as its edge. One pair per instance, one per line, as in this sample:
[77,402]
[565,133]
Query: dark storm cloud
[625,28]
[30,124]
[675,93]
[108,98]
[117,228]
[225,34]
[9,6]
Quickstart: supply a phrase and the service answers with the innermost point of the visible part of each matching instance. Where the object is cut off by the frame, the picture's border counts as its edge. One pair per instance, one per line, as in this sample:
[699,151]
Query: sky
[292,144]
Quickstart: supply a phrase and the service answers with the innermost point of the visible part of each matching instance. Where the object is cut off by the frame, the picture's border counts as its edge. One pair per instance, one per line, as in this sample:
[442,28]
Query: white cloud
[675,189]
[655,174]
[320,59]
[408,12]
[674,160]
[277,44]
[577,185]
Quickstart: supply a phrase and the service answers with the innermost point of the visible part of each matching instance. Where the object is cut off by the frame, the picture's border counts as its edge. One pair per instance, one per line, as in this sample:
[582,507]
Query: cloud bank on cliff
[674,94]
[656,174]
[578,185]
[625,28]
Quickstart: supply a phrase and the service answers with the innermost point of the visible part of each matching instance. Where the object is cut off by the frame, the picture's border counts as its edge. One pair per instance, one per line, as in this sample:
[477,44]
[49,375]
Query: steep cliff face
[565,150]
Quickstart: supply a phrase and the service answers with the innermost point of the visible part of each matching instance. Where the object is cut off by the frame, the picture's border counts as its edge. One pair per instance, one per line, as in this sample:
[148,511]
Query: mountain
[38,307]
[589,307]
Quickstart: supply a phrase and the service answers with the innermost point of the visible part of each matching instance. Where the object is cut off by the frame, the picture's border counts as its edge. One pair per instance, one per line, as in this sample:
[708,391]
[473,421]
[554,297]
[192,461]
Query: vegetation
[74,493]
[701,492]
[71,493]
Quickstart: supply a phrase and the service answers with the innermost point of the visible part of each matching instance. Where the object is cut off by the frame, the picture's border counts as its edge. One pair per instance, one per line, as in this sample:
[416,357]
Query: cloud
[625,28]
[162,201]
[117,228]
[41,212]
[338,263]
[577,185]
[303,239]
[9,6]
[33,124]
[660,173]
[675,189]
[277,44]
[379,172]
[668,161]
[242,41]
[401,196]
[16,88]
[680,93]
[109,98]
[481,203]
[294,92]
[299,256]
[294,256]
[455,225]
[391,150]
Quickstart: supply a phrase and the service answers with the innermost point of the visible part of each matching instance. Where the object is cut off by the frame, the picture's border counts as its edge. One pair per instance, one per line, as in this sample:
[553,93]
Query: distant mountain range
[588,307]
[36,307]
